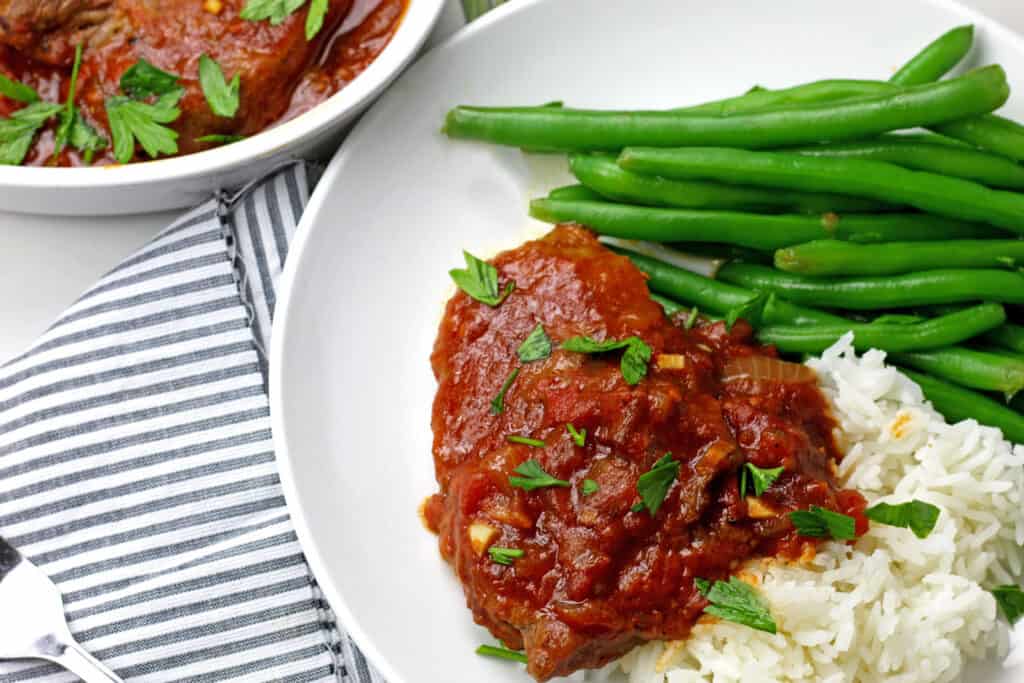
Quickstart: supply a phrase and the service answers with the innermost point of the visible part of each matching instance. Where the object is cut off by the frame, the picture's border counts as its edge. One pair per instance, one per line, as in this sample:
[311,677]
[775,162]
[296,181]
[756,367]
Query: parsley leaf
[654,484]
[220,138]
[315,18]
[537,346]
[762,479]
[73,129]
[17,91]
[525,440]
[18,131]
[222,97]
[918,516]
[634,360]
[751,310]
[1011,602]
[142,79]
[480,280]
[501,653]
[274,10]
[578,437]
[818,523]
[691,319]
[504,556]
[131,120]
[590,487]
[533,477]
[498,402]
[737,602]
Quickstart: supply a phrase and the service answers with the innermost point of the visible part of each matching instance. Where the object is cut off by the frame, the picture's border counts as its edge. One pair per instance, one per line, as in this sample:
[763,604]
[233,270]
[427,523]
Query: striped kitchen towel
[137,469]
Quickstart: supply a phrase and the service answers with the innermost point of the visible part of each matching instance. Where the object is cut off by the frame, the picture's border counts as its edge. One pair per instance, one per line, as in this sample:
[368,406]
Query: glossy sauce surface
[283,74]
[597,578]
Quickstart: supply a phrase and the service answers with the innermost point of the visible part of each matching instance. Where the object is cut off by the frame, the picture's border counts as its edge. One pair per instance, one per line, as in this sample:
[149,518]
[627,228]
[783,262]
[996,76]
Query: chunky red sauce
[283,74]
[597,578]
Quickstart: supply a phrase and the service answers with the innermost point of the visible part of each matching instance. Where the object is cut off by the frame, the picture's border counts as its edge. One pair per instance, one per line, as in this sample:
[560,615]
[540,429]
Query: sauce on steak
[597,576]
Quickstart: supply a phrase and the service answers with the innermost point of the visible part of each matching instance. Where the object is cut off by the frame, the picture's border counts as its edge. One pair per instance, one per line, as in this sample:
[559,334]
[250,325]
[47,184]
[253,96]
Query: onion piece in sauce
[771,369]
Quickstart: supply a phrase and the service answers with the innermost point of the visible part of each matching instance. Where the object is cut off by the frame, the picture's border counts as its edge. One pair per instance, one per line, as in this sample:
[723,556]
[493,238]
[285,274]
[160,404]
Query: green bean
[935,333]
[938,194]
[937,58]
[806,93]
[671,307]
[976,93]
[969,368]
[715,296]
[757,231]
[1008,336]
[835,257]
[957,403]
[575,192]
[724,252]
[880,292]
[600,173]
[990,132]
[960,162]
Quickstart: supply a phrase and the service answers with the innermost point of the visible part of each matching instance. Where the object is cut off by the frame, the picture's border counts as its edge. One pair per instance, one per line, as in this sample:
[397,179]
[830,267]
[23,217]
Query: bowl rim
[416,25]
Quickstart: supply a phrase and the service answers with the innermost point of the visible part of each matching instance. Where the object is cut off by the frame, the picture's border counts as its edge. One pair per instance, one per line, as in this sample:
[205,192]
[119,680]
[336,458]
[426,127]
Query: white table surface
[46,262]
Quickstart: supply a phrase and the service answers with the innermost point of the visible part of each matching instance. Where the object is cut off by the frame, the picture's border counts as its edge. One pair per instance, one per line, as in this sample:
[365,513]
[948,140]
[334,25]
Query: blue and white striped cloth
[137,470]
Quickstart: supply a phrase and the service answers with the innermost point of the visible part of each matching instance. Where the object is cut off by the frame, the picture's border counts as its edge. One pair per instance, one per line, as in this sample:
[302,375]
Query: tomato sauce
[597,576]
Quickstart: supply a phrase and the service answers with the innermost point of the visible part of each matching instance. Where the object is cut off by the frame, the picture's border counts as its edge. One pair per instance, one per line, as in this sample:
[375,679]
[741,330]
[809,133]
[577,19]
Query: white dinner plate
[364,287]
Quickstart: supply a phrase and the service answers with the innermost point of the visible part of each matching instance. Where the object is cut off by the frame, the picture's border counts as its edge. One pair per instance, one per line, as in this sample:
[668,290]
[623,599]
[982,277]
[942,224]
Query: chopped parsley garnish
[17,91]
[525,440]
[276,11]
[479,279]
[634,360]
[1011,602]
[818,522]
[737,602]
[760,478]
[590,487]
[691,319]
[501,653]
[223,97]
[504,556]
[918,516]
[532,476]
[498,402]
[220,138]
[18,130]
[315,18]
[750,310]
[73,129]
[131,120]
[654,484]
[579,437]
[537,345]
[142,79]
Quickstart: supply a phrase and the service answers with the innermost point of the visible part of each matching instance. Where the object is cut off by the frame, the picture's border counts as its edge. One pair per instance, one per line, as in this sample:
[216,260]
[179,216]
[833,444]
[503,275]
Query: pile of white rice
[892,607]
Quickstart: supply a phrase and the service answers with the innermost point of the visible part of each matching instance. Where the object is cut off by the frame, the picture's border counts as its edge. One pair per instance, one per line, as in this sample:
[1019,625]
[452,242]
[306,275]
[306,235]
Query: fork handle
[85,666]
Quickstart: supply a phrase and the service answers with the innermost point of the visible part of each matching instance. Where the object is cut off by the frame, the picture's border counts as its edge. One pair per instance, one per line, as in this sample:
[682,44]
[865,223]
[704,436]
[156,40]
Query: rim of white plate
[416,25]
[280,330]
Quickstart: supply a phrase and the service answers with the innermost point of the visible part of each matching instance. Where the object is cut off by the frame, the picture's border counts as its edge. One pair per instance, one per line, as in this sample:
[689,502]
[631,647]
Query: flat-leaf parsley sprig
[736,601]
[133,120]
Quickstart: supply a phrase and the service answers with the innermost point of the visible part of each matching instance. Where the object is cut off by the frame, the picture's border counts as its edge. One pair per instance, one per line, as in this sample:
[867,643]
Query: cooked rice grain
[892,607]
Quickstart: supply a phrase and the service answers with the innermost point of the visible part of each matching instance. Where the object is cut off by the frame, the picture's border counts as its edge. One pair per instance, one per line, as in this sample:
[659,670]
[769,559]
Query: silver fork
[32,623]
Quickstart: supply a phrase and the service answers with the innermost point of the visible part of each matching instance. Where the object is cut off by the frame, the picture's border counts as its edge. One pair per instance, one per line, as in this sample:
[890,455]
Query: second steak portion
[597,574]
[170,34]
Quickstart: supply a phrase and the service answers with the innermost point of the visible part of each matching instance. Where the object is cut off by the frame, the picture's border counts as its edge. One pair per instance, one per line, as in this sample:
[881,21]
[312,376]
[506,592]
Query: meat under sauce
[597,577]
[282,73]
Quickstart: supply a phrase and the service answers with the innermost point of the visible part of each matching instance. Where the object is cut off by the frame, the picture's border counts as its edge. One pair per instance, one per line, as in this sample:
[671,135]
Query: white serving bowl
[183,181]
